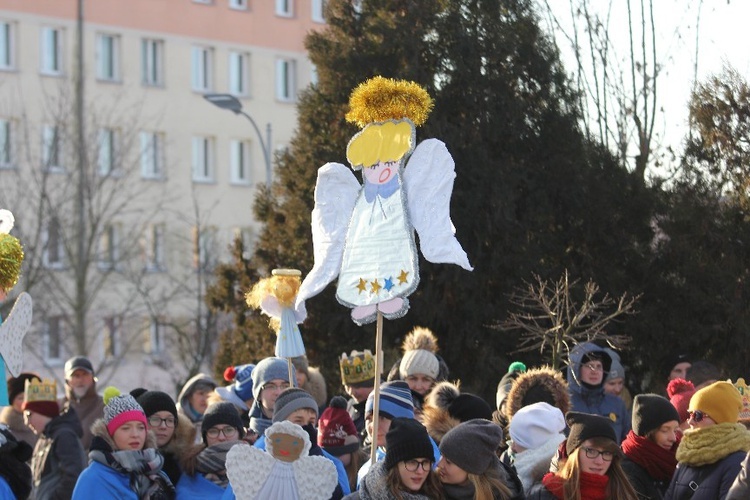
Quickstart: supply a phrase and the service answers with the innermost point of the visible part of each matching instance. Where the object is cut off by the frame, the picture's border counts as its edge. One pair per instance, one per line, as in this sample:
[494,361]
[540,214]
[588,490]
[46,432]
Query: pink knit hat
[680,391]
[120,408]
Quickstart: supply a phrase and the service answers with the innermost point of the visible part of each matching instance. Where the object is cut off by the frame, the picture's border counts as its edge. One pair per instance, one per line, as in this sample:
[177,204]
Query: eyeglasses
[155,421]
[594,368]
[275,387]
[229,432]
[414,465]
[607,456]
[697,415]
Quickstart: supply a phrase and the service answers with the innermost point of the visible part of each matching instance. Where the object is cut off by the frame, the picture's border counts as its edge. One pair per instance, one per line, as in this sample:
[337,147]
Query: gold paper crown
[46,390]
[360,367]
[744,391]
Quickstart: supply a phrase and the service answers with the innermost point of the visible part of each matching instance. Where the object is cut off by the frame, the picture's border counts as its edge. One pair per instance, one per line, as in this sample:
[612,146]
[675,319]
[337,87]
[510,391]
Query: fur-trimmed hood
[538,384]
[316,386]
[99,429]
[183,438]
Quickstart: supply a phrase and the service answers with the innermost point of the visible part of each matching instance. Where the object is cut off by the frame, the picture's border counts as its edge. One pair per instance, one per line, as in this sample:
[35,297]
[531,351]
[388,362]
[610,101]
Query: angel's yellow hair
[388,141]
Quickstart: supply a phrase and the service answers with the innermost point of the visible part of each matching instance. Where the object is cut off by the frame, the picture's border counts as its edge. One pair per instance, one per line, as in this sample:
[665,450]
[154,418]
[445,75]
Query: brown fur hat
[446,406]
[542,384]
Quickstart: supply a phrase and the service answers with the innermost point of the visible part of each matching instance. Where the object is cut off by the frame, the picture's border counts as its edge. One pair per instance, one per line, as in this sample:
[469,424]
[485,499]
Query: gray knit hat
[270,369]
[472,445]
[291,400]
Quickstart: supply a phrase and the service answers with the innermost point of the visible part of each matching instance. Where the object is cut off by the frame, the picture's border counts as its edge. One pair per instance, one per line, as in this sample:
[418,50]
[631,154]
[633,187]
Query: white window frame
[152,155]
[53,334]
[153,243]
[202,68]
[53,256]
[203,159]
[248,237]
[205,244]
[154,341]
[106,153]
[111,327]
[7,150]
[152,62]
[286,80]
[7,45]
[284,8]
[238,4]
[240,162]
[314,75]
[318,10]
[239,73]
[109,247]
[52,149]
[108,57]
[51,51]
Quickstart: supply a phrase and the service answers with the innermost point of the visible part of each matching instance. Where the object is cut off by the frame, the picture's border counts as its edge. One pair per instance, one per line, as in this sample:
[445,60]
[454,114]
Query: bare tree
[551,320]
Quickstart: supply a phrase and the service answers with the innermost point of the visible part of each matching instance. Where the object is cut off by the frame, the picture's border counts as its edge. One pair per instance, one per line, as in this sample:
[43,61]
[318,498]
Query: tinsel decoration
[11,253]
[380,99]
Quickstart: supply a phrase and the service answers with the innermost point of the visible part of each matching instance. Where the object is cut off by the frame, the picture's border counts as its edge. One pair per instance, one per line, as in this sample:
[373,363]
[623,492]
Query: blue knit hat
[395,400]
[267,370]
[243,382]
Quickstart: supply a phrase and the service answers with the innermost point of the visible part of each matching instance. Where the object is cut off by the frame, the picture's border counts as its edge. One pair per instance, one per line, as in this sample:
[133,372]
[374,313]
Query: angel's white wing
[248,469]
[316,477]
[336,192]
[428,180]
[12,332]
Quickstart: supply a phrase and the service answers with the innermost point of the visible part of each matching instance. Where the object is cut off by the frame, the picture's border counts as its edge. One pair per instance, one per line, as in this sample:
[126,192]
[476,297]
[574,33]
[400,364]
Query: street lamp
[230,102]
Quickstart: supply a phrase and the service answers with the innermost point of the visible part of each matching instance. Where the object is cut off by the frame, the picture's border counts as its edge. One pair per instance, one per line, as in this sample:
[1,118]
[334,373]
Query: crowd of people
[272,432]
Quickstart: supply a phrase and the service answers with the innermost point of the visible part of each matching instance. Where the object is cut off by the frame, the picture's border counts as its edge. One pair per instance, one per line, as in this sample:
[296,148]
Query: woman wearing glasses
[592,470]
[406,472]
[204,474]
[710,453]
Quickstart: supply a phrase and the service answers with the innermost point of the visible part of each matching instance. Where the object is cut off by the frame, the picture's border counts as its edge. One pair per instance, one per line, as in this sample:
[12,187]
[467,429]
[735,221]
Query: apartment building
[169,179]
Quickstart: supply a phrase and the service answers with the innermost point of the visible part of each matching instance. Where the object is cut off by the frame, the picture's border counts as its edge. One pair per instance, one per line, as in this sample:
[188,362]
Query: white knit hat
[535,424]
[419,361]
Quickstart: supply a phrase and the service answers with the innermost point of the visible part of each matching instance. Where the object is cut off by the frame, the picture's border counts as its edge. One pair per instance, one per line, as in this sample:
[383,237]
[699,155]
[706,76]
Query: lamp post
[230,102]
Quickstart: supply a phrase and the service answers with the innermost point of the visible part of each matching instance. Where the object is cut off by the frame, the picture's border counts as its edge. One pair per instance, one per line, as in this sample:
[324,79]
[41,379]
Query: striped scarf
[211,462]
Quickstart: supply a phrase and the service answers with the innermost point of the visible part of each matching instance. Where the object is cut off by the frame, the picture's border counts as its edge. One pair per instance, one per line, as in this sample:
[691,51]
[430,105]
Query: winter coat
[467,491]
[740,489]
[593,399]
[15,473]
[711,458]
[89,409]
[374,487]
[14,420]
[58,457]
[539,492]
[197,487]
[5,492]
[357,412]
[642,482]
[177,447]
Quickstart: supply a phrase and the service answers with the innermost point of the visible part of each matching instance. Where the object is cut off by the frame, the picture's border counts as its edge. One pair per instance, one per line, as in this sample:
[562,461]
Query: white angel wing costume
[12,331]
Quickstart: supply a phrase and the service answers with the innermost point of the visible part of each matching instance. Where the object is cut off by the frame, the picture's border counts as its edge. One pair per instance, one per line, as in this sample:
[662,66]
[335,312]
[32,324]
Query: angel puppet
[364,234]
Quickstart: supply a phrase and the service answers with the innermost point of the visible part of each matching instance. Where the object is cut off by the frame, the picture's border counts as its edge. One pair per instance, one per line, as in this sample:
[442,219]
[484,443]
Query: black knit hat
[468,406]
[223,412]
[651,411]
[585,426]
[154,401]
[406,439]
[16,385]
[472,445]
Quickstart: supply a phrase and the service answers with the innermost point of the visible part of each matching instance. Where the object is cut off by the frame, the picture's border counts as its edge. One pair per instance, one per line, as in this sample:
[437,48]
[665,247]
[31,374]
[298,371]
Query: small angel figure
[284,471]
[275,297]
[364,234]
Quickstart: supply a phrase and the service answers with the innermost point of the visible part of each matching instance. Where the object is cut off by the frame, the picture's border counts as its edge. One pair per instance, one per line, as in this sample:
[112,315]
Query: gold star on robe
[402,277]
[375,286]
[362,286]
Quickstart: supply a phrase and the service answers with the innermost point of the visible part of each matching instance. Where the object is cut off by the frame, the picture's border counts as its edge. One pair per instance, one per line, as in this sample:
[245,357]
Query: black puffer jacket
[711,482]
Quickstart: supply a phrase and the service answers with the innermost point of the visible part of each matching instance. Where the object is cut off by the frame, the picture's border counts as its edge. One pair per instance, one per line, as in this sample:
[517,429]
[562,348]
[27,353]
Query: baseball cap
[78,363]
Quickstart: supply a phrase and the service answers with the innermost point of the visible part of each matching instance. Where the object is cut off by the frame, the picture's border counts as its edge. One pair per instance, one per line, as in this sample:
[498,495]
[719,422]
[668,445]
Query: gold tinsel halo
[380,99]
[11,258]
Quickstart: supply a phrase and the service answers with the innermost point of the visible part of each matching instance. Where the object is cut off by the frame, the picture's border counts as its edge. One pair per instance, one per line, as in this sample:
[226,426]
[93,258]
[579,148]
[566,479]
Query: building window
[207,2]
[205,246]
[240,162]
[247,236]
[111,336]
[152,155]
[318,9]
[6,143]
[109,242]
[203,159]
[108,57]
[285,8]
[285,80]
[53,245]
[7,46]
[152,62]
[51,51]
[238,4]
[314,75]
[105,160]
[202,69]
[52,338]
[153,243]
[239,71]
[52,148]
[153,337]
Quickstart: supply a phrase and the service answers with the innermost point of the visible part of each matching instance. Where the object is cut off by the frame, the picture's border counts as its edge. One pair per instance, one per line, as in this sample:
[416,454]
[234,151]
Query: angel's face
[381,172]
[287,447]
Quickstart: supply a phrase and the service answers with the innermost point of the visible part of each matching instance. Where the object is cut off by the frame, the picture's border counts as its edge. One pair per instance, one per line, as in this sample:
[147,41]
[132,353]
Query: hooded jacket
[183,405]
[58,457]
[594,400]
[89,409]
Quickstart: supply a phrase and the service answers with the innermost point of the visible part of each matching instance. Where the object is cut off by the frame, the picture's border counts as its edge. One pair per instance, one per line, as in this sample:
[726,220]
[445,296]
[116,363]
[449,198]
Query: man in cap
[81,395]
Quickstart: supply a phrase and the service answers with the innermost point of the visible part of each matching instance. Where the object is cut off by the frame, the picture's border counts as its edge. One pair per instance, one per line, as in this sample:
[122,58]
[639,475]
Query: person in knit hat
[15,474]
[614,382]
[12,415]
[592,469]
[651,445]
[58,456]
[173,431]
[469,467]
[124,461]
[338,436]
[358,378]
[204,467]
[446,407]
[515,370]
[270,377]
[310,379]
[407,468]
[240,392]
[193,399]
[679,392]
[710,453]
[535,432]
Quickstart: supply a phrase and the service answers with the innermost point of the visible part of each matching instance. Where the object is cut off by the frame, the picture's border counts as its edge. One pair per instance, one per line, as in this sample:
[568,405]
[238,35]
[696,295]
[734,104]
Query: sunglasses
[697,415]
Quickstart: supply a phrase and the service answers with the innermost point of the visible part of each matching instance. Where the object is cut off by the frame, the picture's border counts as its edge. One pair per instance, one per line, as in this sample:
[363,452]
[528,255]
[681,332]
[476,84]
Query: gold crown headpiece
[357,367]
[381,99]
[45,390]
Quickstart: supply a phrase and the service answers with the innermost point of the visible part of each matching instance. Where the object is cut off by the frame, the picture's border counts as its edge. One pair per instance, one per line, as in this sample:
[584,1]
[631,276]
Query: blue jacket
[197,487]
[593,399]
[102,483]
[712,481]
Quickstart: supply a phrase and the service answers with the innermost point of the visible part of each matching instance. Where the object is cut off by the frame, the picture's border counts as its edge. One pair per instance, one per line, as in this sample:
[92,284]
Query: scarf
[143,467]
[382,190]
[708,445]
[658,462]
[374,486]
[593,486]
[211,462]
[259,422]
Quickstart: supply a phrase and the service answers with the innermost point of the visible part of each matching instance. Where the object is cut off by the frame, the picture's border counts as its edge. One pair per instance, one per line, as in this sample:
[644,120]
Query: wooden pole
[376,397]
[292,378]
